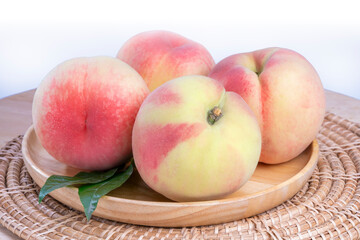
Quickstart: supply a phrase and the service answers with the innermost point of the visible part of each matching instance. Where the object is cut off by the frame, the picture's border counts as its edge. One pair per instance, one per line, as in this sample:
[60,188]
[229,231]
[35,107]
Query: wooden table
[15,118]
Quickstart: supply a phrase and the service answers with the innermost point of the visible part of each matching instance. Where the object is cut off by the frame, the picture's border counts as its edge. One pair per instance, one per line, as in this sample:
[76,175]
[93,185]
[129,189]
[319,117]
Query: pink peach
[286,94]
[160,56]
[84,111]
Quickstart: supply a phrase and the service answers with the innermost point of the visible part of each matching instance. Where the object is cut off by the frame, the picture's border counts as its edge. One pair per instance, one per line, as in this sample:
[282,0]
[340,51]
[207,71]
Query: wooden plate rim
[311,163]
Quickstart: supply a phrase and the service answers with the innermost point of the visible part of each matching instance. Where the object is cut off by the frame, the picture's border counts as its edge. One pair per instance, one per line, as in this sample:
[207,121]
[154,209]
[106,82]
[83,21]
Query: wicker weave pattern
[327,207]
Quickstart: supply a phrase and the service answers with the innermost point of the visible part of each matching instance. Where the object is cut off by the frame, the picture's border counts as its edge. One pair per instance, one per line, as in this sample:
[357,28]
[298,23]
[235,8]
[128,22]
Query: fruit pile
[196,130]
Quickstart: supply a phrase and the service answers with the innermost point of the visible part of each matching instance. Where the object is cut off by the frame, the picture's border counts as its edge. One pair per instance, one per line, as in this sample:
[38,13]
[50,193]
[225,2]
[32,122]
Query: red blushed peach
[192,140]
[160,56]
[284,91]
[84,111]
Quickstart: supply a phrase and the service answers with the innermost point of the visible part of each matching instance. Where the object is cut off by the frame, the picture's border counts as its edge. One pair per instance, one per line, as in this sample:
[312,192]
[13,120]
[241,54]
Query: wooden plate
[136,203]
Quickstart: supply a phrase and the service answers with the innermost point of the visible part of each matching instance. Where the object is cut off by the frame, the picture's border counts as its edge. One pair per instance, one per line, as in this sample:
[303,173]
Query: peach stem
[214,115]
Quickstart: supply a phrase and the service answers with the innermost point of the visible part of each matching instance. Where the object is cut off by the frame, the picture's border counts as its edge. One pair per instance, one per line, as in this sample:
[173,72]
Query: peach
[286,94]
[84,111]
[160,56]
[192,140]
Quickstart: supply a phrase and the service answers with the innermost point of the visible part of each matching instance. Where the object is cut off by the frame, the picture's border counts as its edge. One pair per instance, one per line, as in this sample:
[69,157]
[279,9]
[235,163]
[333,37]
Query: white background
[35,36]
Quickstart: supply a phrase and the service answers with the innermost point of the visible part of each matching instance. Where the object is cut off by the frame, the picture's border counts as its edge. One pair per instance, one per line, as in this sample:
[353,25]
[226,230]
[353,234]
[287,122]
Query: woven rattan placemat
[327,207]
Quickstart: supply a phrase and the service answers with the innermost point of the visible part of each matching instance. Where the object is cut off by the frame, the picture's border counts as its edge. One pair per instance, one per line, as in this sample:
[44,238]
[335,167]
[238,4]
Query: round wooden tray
[136,203]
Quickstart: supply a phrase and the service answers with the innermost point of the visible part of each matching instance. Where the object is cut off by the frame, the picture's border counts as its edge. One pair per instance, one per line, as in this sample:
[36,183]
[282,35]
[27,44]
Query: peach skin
[159,56]
[192,140]
[84,110]
[284,91]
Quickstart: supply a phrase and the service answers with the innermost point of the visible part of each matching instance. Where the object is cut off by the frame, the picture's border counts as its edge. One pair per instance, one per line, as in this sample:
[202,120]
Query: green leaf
[91,193]
[54,182]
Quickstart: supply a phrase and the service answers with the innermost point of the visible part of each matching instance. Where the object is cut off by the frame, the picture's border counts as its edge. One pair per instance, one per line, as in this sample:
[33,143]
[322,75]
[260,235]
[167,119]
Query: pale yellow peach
[184,155]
